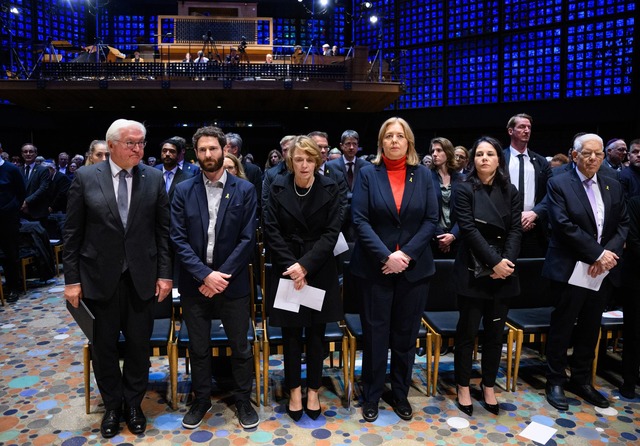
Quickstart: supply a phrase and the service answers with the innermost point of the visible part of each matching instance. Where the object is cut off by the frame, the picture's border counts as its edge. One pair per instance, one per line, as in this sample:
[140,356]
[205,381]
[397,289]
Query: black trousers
[534,243]
[631,330]
[198,311]
[292,346]
[390,316]
[9,243]
[493,313]
[583,308]
[128,313]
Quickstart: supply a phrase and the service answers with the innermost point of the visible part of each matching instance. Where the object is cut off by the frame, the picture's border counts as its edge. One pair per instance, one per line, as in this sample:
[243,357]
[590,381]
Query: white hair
[580,140]
[113,133]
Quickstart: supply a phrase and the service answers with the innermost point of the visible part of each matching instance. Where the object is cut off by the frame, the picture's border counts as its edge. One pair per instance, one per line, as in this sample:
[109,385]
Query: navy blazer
[96,243]
[542,175]
[340,164]
[37,195]
[573,226]
[380,229]
[235,234]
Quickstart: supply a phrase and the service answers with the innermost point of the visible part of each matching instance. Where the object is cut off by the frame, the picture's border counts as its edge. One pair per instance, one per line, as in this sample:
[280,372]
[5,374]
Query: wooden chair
[441,318]
[335,337]
[1,291]
[162,343]
[57,247]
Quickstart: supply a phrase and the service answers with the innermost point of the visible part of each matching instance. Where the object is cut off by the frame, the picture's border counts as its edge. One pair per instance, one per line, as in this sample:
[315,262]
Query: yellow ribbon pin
[227,197]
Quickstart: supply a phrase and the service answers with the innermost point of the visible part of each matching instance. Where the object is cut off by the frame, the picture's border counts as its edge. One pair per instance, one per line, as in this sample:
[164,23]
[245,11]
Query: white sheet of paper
[613,314]
[581,278]
[308,296]
[341,245]
[538,432]
[285,287]
[175,293]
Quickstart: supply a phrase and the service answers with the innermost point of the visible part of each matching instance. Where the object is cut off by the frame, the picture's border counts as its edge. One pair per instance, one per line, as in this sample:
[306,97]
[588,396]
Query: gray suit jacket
[97,244]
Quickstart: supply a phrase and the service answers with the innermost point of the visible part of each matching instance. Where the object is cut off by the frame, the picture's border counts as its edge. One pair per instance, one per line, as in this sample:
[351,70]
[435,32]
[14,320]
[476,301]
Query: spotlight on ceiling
[367,5]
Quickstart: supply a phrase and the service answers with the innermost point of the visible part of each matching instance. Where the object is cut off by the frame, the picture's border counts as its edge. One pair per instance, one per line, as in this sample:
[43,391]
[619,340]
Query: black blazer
[487,215]
[95,242]
[308,238]
[339,163]
[380,229]
[58,190]
[631,261]
[542,175]
[573,226]
[37,197]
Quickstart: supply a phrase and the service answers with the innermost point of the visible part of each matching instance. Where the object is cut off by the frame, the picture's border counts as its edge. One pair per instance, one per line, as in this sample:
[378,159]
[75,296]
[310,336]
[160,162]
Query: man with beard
[213,225]
[171,172]
[630,177]
[116,258]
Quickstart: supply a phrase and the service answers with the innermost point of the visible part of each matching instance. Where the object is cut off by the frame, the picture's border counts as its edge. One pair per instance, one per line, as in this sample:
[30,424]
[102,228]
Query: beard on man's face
[212,164]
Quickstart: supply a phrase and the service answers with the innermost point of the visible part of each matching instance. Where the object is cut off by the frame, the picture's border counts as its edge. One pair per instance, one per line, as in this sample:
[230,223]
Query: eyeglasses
[460,157]
[590,154]
[131,144]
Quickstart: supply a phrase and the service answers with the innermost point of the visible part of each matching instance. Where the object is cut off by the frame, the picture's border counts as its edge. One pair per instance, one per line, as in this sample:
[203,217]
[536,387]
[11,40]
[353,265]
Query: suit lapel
[227,196]
[578,189]
[105,181]
[137,190]
[409,187]
[203,207]
[384,189]
[606,199]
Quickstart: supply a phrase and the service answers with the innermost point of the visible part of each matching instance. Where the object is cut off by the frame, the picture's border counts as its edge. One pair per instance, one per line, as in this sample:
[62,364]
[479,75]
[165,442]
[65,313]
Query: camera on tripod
[243,45]
[208,37]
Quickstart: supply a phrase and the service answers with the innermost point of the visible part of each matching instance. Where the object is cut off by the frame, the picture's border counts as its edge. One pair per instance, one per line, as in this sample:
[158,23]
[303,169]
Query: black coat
[307,235]
[486,216]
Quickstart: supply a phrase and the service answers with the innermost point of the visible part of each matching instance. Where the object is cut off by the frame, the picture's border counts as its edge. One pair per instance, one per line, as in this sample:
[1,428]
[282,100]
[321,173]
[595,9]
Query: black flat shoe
[313,413]
[493,408]
[294,414]
[467,410]
[110,425]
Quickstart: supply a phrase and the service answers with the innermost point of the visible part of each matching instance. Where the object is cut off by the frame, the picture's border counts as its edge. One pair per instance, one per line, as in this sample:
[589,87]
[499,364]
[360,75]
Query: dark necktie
[350,174]
[167,180]
[521,178]
[123,198]
[26,171]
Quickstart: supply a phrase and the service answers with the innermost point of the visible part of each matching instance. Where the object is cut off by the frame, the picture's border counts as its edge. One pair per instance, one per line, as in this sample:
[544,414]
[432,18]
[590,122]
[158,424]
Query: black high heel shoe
[313,413]
[294,414]
[466,409]
[493,408]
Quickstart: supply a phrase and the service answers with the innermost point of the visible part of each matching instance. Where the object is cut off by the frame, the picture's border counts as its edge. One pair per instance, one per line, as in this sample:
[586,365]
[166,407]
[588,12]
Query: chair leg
[516,366]
[265,371]
[256,366]
[173,374]
[86,356]
[23,265]
[352,364]
[345,367]
[1,292]
[436,360]
[429,342]
[510,337]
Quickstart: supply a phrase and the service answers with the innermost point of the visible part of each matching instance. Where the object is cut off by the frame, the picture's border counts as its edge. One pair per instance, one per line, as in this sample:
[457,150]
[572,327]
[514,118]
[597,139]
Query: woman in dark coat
[301,229]
[487,211]
[445,175]
[395,213]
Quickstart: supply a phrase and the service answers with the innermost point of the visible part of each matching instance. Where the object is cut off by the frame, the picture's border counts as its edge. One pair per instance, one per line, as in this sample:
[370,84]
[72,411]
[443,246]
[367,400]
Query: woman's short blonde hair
[412,156]
[309,147]
[237,164]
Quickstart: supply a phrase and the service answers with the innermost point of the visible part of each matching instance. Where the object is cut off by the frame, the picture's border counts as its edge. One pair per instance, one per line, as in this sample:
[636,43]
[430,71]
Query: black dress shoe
[370,411]
[403,409]
[588,393]
[135,419]
[493,408]
[110,425]
[313,413]
[466,409]
[555,396]
[629,392]
[294,414]
[12,297]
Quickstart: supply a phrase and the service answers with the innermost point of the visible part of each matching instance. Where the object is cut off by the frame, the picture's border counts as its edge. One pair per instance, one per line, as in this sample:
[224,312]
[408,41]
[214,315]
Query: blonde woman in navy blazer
[395,213]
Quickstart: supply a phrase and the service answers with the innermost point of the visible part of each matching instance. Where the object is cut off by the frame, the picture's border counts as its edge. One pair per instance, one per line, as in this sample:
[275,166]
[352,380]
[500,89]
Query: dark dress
[304,230]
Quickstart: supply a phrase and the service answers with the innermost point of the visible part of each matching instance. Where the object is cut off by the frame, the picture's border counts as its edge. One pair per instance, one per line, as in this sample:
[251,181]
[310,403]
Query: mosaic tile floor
[42,401]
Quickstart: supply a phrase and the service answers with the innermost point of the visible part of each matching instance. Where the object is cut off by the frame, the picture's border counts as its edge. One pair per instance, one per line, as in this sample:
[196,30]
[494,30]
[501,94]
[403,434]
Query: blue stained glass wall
[520,14]
[532,65]
[467,18]
[425,82]
[472,72]
[600,58]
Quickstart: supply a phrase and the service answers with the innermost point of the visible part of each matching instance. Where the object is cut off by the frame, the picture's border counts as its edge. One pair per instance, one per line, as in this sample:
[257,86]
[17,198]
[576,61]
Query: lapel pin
[607,187]
[227,197]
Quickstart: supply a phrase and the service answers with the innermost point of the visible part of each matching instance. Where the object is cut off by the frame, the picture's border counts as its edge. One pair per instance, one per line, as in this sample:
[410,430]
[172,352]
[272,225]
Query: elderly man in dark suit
[589,224]
[37,179]
[529,173]
[116,258]
[213,225]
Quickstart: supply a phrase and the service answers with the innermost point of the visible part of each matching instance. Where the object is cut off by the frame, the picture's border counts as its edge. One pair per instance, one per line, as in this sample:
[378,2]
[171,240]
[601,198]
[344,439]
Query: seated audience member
[98,152]
[326,50]
[233,166]
[298,55]
[334,50]
[201,58]
[187,58]
[136,57]
[273,159]
[559,159]
[233,58]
